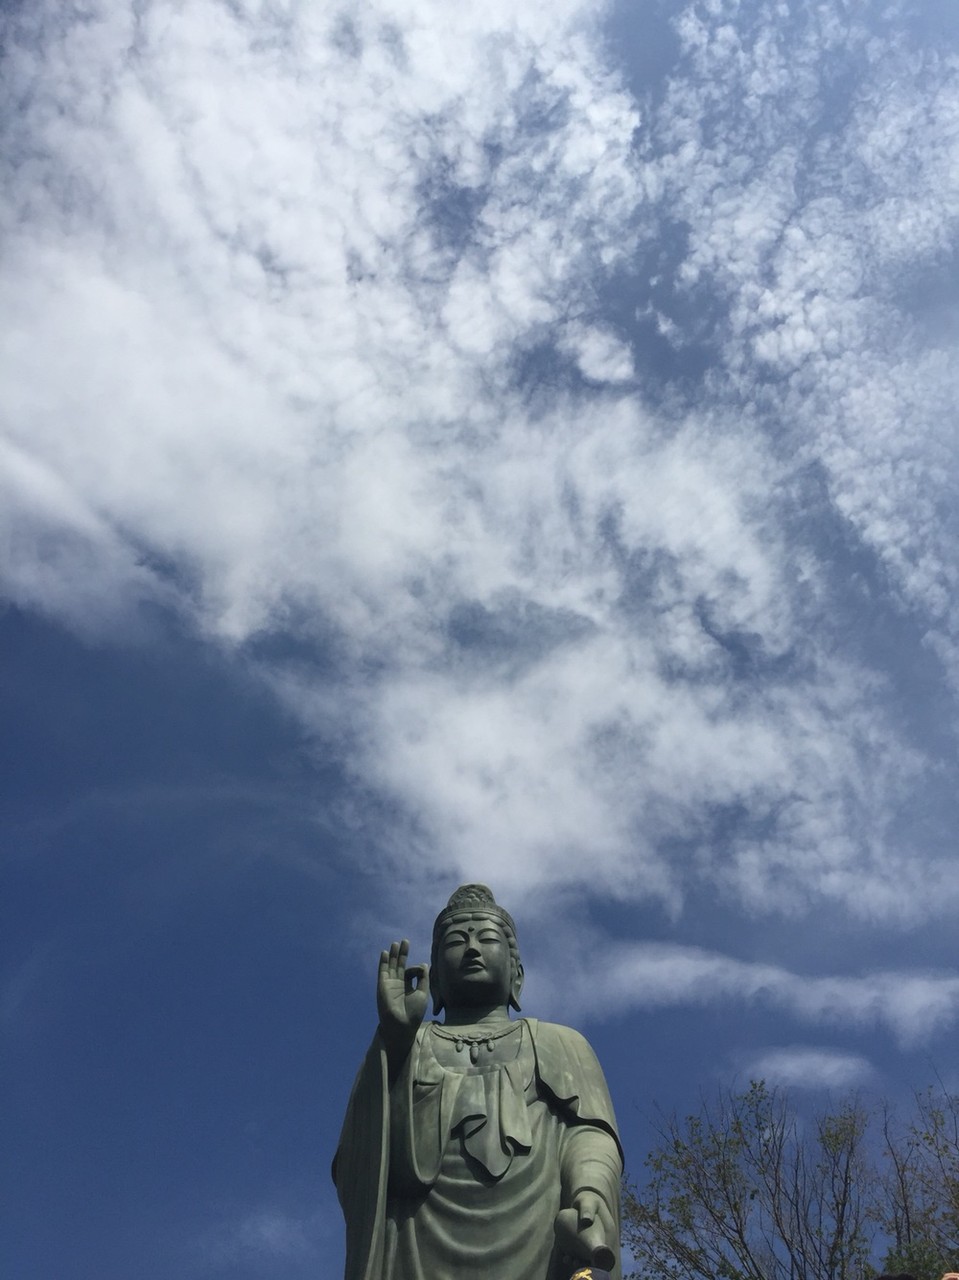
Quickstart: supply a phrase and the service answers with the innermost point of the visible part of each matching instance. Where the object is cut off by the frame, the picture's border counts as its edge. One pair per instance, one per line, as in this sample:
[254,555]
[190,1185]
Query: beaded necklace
[473,1039]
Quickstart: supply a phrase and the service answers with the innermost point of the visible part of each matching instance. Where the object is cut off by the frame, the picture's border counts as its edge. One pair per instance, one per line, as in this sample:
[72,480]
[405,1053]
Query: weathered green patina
[483,1147]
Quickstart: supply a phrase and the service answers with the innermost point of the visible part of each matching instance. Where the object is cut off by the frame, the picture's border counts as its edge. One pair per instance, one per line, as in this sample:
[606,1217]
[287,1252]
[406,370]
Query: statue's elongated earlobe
[516,986]
[435,993]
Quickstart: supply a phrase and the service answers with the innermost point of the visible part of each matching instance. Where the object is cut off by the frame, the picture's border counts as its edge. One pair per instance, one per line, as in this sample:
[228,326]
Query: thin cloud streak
[912,1005]
[807,1067]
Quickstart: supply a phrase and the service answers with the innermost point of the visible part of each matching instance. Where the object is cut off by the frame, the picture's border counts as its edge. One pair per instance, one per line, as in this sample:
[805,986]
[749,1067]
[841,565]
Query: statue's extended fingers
[384,971]
[403,953]
[587,1208]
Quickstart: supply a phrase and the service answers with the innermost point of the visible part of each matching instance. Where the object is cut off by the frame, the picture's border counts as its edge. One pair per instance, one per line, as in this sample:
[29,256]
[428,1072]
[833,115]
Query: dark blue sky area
[170,932]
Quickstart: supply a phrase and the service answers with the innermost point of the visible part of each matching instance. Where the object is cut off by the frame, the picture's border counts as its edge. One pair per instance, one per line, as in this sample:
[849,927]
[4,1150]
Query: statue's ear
[516,986]
[435,992]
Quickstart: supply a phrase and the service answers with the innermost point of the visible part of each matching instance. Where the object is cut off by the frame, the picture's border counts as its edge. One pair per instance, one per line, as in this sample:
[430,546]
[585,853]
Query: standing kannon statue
[482,1147]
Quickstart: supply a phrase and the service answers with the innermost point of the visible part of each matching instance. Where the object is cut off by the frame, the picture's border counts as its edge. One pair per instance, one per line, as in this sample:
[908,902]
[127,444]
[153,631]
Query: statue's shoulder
[568,1069]
[554,1036]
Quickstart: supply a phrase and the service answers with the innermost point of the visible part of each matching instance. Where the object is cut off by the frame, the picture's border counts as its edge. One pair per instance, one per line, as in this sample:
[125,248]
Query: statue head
[475,956]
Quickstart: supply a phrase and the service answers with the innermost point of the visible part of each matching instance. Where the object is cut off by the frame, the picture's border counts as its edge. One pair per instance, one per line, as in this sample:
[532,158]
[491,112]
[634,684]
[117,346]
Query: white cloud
[807,1067]
[912,1005]
[601,356]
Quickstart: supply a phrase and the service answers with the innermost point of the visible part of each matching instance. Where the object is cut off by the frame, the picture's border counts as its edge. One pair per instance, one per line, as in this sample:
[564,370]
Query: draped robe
[459,1171]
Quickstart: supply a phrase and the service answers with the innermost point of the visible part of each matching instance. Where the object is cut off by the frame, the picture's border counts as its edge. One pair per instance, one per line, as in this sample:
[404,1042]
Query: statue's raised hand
[401,996]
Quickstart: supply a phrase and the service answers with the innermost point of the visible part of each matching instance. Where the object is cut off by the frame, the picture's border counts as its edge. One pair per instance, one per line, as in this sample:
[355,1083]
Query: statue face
[475,966]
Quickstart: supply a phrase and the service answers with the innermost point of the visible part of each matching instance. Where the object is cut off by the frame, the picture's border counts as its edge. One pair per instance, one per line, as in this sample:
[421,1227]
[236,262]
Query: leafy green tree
[744,1191]
[918,1206]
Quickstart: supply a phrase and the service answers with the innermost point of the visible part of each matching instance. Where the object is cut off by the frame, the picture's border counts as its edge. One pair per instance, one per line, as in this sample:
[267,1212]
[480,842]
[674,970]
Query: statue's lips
[474,966]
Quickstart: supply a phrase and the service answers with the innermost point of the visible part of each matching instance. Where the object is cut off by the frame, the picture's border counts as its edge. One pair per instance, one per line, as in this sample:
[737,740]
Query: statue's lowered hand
[583,1232]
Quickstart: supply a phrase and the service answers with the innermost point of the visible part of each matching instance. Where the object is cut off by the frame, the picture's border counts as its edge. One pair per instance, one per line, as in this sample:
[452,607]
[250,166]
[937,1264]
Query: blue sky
[502,442]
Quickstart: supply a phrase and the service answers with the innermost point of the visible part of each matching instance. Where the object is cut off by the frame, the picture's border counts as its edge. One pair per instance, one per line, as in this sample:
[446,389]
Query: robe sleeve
[571,1078]
[361,1166]
[590,1161]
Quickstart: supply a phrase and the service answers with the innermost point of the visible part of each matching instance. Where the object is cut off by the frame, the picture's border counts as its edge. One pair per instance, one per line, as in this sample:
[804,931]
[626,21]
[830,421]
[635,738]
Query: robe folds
[458,1174]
